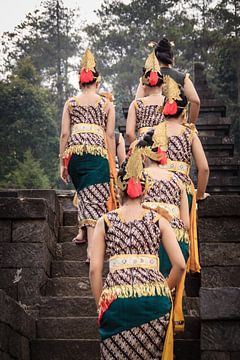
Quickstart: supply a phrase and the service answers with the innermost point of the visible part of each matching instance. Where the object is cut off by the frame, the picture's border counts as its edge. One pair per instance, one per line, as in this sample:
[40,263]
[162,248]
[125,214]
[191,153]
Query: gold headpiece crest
[171,89]
[152,63]
[88,61]
[134,167]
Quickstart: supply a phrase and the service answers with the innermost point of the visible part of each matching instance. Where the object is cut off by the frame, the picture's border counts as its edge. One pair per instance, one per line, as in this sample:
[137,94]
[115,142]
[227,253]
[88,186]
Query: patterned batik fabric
[92,203]
[147,115]
[168,191]
[87,114]
[128,301]
[141,342]
[180,149]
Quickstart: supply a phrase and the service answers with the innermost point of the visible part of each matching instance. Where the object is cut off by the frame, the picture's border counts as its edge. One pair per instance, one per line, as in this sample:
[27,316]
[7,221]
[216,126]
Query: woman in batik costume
[164,53]
[87,146]
[146,112]
[135,301]
[166,192]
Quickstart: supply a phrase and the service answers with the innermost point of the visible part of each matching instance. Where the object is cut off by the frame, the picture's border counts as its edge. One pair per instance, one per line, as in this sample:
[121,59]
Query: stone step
[69,306]
[187,349]
[72,268]
[70,217]
[68,286]
[67,233]
[216,140]
[45,349]
[67,328]
[71,251]
[53,306]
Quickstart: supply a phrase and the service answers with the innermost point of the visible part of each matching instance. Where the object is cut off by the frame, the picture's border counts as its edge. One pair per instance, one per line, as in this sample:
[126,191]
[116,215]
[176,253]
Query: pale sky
[12,12]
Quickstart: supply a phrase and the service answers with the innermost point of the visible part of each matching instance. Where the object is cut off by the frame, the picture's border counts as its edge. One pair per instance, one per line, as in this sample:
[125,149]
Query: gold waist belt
[128,261]
[143,130]
[87,128]
[176,166]
[173,210]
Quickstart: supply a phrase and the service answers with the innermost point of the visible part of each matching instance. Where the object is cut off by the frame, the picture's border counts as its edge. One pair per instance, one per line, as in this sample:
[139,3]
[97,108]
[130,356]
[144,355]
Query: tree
[27,175]
[27,121]
[50,38]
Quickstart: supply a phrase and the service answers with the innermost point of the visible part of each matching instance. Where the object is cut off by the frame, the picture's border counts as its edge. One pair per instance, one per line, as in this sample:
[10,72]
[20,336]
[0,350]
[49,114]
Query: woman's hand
[64,174]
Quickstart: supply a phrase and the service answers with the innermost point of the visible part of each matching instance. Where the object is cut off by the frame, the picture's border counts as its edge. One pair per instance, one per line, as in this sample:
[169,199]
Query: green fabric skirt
[88,169]
[165,264]
[126,313]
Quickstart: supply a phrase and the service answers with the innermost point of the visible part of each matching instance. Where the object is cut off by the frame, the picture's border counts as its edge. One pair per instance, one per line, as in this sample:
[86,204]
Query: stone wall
[219,236]
[17,329]
[29,222]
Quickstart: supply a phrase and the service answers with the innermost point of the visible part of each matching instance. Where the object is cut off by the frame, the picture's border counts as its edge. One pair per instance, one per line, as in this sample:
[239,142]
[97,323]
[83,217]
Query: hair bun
[164,45]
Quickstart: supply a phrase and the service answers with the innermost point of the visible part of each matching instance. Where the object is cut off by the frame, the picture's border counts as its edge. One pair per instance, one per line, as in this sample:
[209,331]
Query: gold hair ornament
[88,61]
[171,89]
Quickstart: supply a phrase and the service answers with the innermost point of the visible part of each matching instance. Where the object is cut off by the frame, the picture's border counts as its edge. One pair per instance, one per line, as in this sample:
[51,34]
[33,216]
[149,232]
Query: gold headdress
[151,65]
[87,68]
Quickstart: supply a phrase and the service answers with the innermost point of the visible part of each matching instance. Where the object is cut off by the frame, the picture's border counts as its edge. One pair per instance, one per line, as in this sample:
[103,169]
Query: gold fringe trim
[89,222]
[86,149]
[136,290]
[182,235]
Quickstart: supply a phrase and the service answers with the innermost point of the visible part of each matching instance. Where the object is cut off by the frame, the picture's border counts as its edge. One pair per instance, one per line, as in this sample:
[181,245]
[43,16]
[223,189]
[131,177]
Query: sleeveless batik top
[88,126]
[147,116]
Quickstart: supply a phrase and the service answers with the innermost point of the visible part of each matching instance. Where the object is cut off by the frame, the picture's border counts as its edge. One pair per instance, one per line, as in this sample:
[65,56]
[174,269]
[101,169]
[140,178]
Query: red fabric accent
[134,189]
[129,152]
[162,156]
[170,109]
[86,76]
[153,79]
[66,161]
[103,308]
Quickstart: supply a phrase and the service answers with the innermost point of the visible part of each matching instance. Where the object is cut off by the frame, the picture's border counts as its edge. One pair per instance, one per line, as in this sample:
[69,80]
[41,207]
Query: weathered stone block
[18,346]
[14,315]
[220,254]
[7,282]
[73,268]
[192,285]
[32,285]
[49,195]
[220,303]
[65,349]
[220,336]
[67,306]
[6,356]
[68,287]
[219,206]
[5,230]
[70,251]
[14,208]
[33,231]
[67,328]
[220,276]
[67,233]
[17,255]
[70,218]
[187,349]
[4,336]
[228,229]
[235,355]
[215,355]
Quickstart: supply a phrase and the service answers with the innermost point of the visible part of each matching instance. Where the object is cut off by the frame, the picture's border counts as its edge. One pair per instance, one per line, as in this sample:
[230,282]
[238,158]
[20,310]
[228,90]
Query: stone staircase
[66,325]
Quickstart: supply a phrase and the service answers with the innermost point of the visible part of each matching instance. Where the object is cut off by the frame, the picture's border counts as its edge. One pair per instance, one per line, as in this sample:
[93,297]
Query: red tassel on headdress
[153,79]
[129,153]
[162,156]
[170,109]
[86,76]
[134,189]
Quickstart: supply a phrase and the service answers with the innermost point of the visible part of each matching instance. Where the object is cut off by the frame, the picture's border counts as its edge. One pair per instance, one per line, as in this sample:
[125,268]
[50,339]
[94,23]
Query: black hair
[181,104]
[122,172]
[163,51]
[95,76]
[147,76]
[147,141]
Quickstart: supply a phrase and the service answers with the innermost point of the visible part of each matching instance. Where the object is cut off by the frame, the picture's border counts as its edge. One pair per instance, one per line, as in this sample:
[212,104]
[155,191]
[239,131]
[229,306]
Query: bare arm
[131,124]
[121,151]
[184,209]
[141,90]
[202,166]
[110,132]
[174,252]
[193,98]
[65,133]
[97,260]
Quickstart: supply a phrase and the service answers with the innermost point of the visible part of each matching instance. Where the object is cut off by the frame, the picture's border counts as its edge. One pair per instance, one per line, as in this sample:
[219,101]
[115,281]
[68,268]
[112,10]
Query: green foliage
[27,121]
[27,175]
